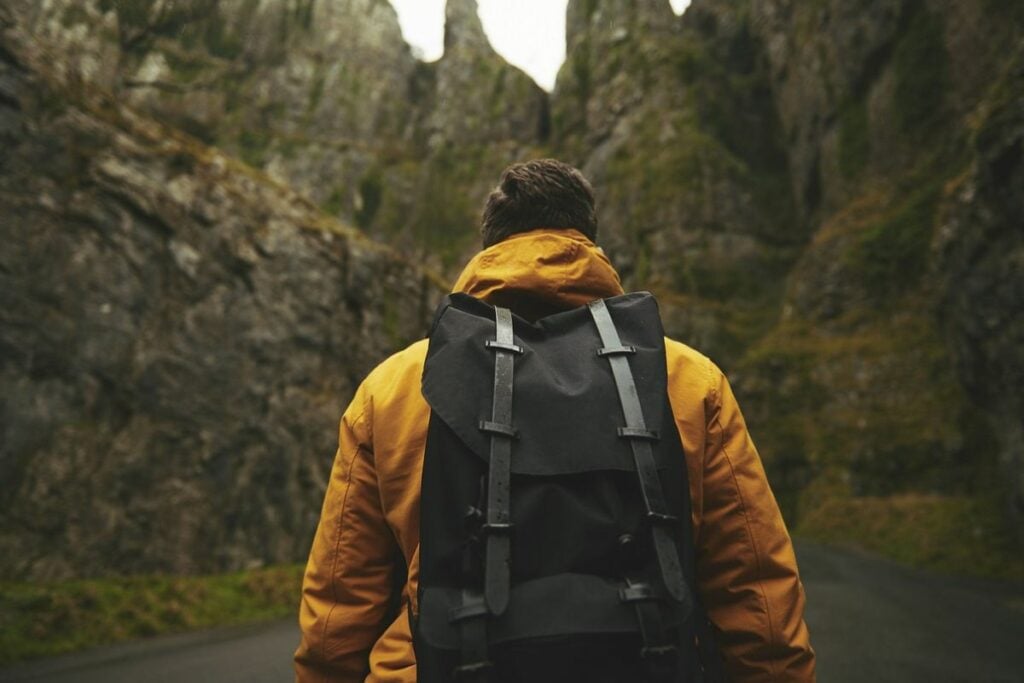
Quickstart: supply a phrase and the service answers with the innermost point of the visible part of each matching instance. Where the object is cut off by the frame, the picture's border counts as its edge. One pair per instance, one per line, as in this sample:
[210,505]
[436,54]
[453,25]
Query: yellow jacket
[746,571]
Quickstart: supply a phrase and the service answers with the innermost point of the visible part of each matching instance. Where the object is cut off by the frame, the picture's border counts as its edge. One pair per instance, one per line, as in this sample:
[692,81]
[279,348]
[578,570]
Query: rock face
[823,195]
[323,95]
[474,115]
[878,351]
[179,334]
[672,120]
[980,251]
[794,180]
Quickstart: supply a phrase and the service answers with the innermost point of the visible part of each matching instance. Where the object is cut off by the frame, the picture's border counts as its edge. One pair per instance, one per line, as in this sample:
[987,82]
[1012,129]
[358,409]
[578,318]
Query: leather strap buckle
[657,651]
[467,610]
[661,518]
[498,429]
[621,350]
[466,672]
[634,433]
[504,346]
[637,592]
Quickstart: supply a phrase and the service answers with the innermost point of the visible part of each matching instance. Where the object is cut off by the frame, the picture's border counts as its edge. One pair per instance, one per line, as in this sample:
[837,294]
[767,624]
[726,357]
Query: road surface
[871,621]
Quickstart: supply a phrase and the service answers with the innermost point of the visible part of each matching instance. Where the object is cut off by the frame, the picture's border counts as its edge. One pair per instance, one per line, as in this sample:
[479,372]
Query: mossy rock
[879,401]
[921,69]
[854,138]
[891,255]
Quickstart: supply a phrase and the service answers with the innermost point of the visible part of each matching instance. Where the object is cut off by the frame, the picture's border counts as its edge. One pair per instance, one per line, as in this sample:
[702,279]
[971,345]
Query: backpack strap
[470,615]
[659,654]
[660,521]
[497,525]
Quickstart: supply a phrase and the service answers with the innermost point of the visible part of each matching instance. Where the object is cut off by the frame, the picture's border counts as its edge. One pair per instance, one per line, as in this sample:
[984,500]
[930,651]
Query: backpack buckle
[502,346]
[637,592]
[498,429]
[496,528]
[622,350]
[637,433]
[657,651]
[660,518]
[474,671]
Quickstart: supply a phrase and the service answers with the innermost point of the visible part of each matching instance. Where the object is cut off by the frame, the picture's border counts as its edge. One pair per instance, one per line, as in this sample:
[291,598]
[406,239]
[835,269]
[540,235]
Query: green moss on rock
[187,66]
[921,70]
[891,255]
[371,189]
[445,215]
[74,14]
[335,202]
[878,401]
[253,145]
[854,137]
[219,40]
[131,14]
[316,91]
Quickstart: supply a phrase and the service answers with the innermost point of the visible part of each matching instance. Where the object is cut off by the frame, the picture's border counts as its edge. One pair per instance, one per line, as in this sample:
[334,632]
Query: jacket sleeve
[347,583]
[746,569]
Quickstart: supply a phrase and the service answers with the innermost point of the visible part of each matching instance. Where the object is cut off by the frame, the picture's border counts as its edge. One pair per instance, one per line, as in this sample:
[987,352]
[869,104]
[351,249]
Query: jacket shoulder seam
[335,561]
[751,540]
[712,388]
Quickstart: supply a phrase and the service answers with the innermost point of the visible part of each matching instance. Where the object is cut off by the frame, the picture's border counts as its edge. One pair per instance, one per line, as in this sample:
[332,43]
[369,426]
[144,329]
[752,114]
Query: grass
[957,535]
[45,619]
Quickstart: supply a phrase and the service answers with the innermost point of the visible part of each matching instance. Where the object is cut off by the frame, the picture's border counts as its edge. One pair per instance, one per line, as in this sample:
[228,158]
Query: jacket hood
[540,272]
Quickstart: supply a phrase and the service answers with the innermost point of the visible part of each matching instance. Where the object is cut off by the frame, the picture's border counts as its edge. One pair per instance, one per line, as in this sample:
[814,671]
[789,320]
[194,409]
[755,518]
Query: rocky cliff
[178,335]
[888,113]
[672,119]
[793,179]
[823,194]
[322,95]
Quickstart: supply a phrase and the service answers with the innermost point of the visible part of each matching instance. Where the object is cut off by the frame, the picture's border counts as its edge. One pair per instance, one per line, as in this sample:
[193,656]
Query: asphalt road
[871,621]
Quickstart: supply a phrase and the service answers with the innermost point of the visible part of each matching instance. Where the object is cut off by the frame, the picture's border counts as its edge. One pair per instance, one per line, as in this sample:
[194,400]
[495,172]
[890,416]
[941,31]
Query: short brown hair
[543,193]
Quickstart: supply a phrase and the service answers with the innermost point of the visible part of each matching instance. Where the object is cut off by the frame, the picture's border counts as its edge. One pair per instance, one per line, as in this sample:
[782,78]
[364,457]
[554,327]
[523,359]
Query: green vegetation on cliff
[921,72]
[891,254]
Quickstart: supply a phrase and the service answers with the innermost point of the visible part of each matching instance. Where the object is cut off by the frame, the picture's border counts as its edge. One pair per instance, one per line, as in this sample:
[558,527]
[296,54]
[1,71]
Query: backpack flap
[556,377]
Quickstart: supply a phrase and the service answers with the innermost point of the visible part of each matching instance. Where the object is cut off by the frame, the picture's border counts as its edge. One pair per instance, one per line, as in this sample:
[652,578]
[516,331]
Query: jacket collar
[539,272]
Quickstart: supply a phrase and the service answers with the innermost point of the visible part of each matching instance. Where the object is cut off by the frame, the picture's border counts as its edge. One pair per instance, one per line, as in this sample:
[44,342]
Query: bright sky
[527,33]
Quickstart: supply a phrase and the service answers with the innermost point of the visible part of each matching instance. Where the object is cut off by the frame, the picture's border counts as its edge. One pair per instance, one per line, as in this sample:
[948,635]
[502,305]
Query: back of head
[543,193]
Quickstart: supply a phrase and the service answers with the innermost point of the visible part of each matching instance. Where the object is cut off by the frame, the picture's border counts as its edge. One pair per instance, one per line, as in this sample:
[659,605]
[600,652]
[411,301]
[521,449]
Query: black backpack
[555,535]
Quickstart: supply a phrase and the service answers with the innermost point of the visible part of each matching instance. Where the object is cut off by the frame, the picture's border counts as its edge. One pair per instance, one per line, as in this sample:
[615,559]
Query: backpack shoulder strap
[658,517]
[498,521]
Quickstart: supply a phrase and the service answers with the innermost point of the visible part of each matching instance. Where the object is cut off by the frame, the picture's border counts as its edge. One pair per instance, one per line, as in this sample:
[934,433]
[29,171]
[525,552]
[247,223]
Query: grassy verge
[951,534]
[43,619]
